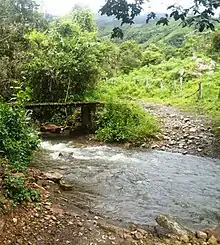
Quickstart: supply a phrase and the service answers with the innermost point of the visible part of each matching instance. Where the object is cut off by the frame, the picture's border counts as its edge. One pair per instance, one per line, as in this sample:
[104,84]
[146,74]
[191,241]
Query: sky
[61,7]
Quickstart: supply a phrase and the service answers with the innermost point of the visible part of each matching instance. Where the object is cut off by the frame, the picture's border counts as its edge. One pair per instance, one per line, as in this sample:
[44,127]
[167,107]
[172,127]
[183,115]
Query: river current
[137,185]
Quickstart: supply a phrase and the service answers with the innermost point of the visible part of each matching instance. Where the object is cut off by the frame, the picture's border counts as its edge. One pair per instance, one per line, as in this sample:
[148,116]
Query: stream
[137,185]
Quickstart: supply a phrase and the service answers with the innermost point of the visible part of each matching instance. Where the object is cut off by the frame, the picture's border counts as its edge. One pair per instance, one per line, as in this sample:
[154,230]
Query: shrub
[17,139]
[124,121]
[16,190]
[17,143]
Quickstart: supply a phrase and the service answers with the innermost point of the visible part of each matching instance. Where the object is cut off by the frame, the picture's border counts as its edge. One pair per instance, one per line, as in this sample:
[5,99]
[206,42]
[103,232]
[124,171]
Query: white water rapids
[135,185]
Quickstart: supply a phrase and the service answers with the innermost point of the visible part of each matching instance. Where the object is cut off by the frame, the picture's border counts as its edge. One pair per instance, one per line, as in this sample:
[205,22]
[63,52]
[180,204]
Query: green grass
[161,83]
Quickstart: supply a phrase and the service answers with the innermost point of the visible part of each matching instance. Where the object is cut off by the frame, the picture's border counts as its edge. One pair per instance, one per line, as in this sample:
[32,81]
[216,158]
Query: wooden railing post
[200,90]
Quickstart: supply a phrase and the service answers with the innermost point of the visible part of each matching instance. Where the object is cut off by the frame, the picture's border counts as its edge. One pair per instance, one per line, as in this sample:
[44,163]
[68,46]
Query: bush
[17,143]
[16,190]
[124,121]
[17,139]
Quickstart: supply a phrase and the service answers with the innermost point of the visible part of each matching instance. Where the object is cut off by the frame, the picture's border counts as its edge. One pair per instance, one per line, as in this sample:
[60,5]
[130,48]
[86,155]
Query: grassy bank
[162,83]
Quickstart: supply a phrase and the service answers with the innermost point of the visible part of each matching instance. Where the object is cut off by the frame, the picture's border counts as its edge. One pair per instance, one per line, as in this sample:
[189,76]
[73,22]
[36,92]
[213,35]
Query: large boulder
[171,226]
[56,177]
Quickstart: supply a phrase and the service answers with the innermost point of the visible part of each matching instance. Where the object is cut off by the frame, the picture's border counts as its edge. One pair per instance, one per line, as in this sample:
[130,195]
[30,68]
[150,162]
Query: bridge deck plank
[68,104]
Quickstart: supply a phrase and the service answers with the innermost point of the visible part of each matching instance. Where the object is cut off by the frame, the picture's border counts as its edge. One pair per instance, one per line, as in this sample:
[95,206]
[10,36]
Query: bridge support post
[86,117]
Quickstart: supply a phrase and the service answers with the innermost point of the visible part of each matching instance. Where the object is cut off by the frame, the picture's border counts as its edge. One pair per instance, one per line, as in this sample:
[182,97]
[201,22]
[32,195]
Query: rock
[186,120]
[212,240]
[185,152]
[165,137]
[144,145]
[213,231]
[2,224]
[173,142]
[80,224]
[126,236]
[143,232]
[56,177]
[15,220]
[184,238]
[192,130]
[137,235]
[155,146]
[203,243]
[171,226]
[65,186]
[201,235]
[17,175]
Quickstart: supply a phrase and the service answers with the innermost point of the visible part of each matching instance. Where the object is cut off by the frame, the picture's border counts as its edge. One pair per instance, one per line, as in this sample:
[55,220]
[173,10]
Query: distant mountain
[103,20]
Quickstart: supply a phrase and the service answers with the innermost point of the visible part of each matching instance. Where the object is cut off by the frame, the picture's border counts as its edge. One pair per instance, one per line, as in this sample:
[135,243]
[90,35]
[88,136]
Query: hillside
[142,32]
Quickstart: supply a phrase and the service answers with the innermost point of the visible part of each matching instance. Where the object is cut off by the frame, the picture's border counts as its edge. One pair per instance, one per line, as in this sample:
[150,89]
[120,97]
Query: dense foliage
[17,138]
[124,121]
[63,63]
[18,141]
[17,17]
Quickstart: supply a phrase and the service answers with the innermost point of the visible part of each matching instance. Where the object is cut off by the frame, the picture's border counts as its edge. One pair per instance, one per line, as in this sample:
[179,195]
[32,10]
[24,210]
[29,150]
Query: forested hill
[142,32]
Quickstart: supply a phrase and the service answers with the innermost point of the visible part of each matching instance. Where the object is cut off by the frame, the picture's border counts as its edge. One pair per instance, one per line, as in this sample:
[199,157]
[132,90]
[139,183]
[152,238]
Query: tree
[201,13]
[63,63]
[17,18]
[130,56]
[84,18]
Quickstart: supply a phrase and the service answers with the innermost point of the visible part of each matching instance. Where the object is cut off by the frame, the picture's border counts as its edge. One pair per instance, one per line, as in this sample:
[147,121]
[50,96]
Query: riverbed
[137,185]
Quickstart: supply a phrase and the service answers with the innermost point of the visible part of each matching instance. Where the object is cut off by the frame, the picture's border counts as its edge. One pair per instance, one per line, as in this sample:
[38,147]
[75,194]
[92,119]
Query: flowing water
[136,186]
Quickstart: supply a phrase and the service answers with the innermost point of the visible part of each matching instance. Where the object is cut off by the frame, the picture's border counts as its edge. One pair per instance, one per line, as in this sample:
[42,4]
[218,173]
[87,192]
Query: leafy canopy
[201,13]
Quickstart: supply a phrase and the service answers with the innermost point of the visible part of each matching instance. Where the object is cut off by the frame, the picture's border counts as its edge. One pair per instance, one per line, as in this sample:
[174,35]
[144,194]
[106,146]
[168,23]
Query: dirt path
[183,132]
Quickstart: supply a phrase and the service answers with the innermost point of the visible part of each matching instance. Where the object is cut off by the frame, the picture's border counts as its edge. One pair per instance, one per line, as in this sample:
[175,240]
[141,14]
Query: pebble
[15,220]
[80,224]
[138,236]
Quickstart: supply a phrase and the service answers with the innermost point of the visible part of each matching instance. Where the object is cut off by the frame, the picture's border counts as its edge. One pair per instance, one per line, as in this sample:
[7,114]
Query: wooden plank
[68,104]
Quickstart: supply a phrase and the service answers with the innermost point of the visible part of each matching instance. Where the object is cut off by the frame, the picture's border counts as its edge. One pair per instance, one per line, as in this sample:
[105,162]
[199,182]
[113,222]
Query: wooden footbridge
[87,109]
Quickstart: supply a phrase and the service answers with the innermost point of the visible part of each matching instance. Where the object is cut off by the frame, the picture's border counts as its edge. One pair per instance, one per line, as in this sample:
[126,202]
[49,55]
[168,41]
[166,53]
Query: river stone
[17,175]
[138,236]
[212,241]
[213,232]
[171,226]
[65,186]
[192,130]
[56,177]
[201,235]
[184,238]
[2,224]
